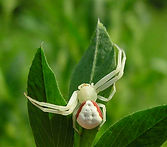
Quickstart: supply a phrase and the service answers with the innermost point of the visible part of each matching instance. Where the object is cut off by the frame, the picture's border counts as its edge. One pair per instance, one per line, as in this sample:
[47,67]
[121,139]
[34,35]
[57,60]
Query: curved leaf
[42,86]
[142,129]
[98,61]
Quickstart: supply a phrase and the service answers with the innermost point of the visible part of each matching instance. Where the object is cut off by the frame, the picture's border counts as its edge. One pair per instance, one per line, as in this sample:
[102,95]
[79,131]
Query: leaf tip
[98,20]
[40,49]
[100,25]
[42,43]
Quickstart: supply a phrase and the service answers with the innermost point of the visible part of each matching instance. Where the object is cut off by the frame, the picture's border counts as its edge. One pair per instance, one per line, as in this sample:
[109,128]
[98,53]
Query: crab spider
[83,101]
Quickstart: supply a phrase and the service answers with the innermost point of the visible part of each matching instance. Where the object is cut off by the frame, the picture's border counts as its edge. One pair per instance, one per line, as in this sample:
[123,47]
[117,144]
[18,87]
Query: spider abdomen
[89,115]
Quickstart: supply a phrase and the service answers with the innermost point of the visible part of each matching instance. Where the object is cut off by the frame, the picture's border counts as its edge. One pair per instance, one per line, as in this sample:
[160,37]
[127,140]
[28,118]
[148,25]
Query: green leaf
[142,129]
[48,130]
[98,61]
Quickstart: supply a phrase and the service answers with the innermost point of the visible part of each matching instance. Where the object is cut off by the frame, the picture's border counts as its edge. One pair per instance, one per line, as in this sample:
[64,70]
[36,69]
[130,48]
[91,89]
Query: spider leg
[50,110]
[110,96]
[116,78]
[64,110]
[113,73]
[47,109]
[104,114]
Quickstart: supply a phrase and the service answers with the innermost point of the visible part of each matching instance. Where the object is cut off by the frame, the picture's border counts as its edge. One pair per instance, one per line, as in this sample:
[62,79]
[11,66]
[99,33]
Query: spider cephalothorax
[86,92]
[83,101]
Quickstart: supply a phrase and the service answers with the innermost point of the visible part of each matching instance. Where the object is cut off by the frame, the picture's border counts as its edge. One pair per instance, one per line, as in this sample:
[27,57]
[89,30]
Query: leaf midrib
[95,55]
[46,96]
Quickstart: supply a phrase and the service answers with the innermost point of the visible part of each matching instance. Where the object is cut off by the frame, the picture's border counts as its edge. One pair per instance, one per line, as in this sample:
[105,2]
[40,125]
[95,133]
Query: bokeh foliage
[66,27]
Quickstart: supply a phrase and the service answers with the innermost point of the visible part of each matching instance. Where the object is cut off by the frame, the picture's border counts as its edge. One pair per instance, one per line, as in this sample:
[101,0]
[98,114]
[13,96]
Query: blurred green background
[138,26]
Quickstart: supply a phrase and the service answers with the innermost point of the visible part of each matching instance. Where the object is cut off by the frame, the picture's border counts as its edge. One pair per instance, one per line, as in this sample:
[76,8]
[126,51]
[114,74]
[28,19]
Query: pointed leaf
[98,61]
[48,130]
[142,129]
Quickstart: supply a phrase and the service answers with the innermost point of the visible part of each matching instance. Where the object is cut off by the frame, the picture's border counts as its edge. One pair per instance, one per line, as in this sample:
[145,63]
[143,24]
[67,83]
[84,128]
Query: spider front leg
[115,75]
[50,110]
[63,110]
[104,114]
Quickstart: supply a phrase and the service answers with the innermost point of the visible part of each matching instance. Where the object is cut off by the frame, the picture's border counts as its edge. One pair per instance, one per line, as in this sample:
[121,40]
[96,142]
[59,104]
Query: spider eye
[83,85]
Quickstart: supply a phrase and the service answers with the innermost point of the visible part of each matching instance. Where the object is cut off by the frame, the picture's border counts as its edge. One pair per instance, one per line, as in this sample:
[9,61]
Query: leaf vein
[95,56]
[147,130]
[51,139]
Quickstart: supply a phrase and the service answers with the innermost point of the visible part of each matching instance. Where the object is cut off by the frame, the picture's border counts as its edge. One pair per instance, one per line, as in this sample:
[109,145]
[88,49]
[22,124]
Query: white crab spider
[83,101]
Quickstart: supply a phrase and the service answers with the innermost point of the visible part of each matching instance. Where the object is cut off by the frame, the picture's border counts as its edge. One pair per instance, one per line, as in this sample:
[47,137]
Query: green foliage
[139,27]
[98,61]
[145,129]
[53,130]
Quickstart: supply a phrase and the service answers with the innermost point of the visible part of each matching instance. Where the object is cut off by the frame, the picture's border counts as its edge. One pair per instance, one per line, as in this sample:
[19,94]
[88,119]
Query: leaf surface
[49,130]
[98,61]
[146,128]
